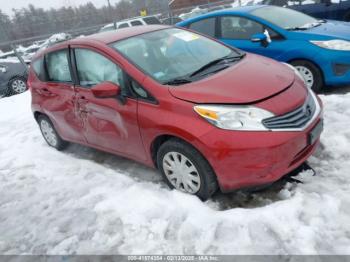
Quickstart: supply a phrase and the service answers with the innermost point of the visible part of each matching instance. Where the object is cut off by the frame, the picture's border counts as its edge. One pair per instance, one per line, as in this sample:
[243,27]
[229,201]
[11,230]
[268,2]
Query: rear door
[56,95]
[109,123]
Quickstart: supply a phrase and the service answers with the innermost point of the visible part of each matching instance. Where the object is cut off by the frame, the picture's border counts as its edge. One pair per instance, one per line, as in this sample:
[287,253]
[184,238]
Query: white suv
[136,21]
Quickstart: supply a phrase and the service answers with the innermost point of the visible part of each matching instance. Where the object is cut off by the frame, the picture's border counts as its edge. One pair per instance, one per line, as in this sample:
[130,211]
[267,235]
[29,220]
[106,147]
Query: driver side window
[94,68]
[240,28]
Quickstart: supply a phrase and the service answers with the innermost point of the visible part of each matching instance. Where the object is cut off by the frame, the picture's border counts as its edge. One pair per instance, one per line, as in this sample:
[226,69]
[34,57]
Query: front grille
[295,119]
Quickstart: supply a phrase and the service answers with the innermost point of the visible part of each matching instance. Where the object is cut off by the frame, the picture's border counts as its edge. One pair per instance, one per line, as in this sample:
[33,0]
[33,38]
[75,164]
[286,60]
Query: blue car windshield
[286,18]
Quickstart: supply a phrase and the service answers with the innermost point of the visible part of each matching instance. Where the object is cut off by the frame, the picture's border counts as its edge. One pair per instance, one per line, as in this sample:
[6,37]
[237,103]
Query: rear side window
[151,20]
[38,68]
[58,66]
[136,23]
[123,25]
[205,26]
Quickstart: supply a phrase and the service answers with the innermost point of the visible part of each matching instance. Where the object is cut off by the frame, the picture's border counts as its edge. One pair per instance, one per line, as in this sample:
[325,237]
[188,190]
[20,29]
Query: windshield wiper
[177,81]
[297,28]
[228,58]
[306,26]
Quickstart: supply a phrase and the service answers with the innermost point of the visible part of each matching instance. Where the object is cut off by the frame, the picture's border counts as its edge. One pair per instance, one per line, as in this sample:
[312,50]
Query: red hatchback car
[206,115]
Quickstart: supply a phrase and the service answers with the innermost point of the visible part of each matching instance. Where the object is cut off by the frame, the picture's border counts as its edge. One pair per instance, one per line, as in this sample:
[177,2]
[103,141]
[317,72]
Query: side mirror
[106,90]
[258,38]
[261,38]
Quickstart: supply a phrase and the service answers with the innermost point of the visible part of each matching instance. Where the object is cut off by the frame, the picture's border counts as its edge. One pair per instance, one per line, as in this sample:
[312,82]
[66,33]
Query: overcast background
[7,5]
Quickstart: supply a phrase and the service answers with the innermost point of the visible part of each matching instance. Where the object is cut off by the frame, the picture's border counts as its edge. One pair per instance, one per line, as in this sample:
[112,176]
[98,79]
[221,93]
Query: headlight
[297,73]
[340,45]
[246,118]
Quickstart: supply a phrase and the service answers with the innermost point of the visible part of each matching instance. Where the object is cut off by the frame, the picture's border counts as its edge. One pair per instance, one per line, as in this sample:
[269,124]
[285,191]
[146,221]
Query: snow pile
[88,202]
[13,59]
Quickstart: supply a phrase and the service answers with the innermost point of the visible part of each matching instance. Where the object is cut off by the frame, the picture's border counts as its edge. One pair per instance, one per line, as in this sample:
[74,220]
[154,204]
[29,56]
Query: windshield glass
[171,53]
[284,17]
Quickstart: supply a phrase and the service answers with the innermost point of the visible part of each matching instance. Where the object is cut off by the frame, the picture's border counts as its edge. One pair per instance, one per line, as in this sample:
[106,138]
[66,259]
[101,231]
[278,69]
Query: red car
[206,115]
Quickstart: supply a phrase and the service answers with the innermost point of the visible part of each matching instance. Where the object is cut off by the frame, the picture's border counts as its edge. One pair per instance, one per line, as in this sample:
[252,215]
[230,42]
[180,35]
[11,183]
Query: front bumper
[249,159]
[335,66]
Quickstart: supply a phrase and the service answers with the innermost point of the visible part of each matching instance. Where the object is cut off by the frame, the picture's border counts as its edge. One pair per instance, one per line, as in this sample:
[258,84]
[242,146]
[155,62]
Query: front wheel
[311,74]
[185,169]
[50,134]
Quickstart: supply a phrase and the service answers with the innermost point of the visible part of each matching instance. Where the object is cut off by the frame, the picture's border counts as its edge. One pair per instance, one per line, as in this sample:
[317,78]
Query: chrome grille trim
[296,120]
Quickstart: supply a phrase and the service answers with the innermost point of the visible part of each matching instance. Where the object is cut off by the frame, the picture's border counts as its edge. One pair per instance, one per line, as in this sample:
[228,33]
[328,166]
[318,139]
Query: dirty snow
[83,201]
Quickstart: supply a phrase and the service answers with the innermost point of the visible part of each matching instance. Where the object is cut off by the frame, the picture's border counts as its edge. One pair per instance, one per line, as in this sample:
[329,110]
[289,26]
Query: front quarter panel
[172,117]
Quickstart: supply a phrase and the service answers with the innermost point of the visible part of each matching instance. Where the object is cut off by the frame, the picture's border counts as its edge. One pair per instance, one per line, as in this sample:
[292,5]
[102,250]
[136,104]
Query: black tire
[316,72]
[208,181]
[13,89]
[60,144]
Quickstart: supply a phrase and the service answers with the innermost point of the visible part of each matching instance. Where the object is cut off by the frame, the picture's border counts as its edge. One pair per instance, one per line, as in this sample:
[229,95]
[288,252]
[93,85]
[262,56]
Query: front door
[238,31]
[108,123]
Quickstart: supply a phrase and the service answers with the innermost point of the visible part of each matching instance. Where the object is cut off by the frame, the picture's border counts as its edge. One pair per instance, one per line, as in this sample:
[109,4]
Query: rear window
[123,25]
[151,20]
[136,23]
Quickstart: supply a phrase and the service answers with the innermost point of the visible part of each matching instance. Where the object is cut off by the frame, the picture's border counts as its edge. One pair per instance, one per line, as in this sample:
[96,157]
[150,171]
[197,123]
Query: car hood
[252,79]
[330,30]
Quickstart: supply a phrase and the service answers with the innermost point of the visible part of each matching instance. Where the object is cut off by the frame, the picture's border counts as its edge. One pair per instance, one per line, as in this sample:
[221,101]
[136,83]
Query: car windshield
[285,18]
[172,54]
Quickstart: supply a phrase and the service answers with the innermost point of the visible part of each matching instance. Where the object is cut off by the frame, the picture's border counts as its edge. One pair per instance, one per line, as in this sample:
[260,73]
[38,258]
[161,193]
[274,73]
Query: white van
[136,21]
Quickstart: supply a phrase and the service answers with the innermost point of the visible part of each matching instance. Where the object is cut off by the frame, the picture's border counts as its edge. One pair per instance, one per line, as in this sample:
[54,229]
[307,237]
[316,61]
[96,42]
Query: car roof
[228,11]
[105,37]
[122,33]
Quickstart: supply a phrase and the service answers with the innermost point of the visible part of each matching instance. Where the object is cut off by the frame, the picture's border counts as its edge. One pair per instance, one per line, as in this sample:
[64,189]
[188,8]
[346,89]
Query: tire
[17,85]
[310,73]
[197,176]
[50,134]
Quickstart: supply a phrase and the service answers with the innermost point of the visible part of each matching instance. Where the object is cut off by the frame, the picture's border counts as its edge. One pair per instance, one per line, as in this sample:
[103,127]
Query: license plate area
[315,133]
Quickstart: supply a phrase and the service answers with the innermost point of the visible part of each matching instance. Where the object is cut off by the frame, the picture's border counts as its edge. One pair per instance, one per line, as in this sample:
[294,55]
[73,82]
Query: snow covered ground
[83,201]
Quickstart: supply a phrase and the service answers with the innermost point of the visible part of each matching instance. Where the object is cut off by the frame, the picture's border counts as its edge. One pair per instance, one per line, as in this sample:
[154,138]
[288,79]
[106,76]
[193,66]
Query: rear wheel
[311,74]
[185,169]
[18,85]
[50,134]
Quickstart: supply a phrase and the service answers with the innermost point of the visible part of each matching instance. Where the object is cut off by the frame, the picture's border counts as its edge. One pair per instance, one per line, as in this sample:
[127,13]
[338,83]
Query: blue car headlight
[336,44]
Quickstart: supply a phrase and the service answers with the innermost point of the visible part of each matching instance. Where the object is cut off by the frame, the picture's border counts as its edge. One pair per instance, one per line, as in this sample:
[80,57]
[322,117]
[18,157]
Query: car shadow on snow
[277,191]
[336,90]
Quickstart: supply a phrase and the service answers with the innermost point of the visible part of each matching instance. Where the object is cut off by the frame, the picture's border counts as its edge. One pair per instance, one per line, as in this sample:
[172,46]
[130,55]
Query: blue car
[326,9]
[318,49]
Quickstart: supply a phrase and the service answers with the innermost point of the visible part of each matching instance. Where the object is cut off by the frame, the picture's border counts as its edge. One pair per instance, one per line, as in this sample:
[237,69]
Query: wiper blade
[177,81]
[307,26]
[296,28]
[228,58]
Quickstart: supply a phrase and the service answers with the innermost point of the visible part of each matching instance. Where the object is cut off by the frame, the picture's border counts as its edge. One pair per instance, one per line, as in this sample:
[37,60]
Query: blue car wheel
[311,73]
